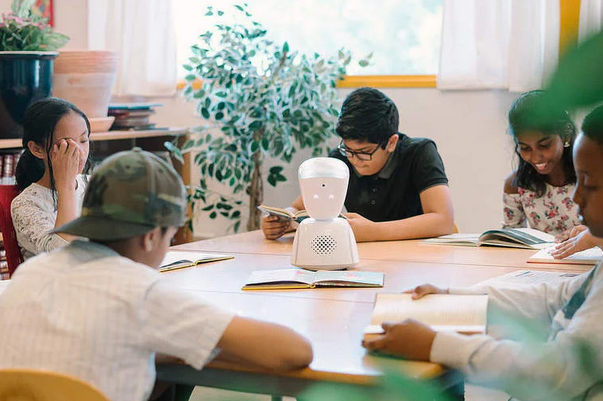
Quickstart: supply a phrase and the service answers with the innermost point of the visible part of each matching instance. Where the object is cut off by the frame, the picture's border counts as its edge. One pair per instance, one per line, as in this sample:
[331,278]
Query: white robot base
[319,243]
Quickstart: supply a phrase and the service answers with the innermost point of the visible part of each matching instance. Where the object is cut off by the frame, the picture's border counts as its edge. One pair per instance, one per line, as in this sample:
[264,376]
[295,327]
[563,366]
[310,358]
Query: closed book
[590,257]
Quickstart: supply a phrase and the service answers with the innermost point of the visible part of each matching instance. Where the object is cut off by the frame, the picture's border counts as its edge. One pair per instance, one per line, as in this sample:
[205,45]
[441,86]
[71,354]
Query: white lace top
[34,214]
[554,212]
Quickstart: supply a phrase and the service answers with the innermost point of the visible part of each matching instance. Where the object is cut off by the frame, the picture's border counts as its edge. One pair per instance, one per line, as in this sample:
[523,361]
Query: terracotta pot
[85,78]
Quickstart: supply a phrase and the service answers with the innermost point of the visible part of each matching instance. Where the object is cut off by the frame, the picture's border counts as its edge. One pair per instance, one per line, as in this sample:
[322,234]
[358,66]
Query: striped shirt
[86,311]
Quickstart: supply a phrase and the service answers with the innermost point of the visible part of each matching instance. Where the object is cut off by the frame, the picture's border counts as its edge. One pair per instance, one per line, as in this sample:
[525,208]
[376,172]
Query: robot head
[324,183]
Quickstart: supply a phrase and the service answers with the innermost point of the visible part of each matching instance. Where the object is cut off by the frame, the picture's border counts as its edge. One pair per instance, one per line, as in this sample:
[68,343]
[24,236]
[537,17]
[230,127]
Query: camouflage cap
[129,194]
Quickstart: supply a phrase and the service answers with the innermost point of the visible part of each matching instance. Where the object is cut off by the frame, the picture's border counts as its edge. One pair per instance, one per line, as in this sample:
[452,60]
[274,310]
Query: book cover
[590,256]
[442,312]
[175,260]
[298,278]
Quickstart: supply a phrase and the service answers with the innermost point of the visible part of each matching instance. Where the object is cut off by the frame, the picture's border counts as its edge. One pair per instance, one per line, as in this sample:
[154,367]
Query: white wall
[468,126]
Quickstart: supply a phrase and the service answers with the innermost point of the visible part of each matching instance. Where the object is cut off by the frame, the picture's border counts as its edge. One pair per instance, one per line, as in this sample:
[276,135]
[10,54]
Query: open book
[297,278]
[179,260]
[287,215]
[511,238]
[284,213]
[527,277]
[443,312]
[590,256]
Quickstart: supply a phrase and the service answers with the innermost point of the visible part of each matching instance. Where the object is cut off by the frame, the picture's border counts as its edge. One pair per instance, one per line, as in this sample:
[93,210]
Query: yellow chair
[36,385]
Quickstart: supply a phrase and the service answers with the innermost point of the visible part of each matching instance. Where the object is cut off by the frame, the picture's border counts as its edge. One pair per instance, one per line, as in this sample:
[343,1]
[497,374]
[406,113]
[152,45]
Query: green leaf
[213,215]
[236,226]
[285,47]
[276,169]
[254,147]
[219,115]
[363,63]
[272,180]
[265,144]
[256,125]
[208,208]
[205,113]
[190,77]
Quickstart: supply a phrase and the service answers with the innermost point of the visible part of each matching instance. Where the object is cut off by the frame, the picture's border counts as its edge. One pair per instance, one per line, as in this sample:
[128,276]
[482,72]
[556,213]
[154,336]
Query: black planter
[24,78]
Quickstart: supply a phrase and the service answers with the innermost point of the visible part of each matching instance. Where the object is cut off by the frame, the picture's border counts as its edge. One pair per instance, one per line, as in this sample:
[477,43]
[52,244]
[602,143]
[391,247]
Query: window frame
[569,13]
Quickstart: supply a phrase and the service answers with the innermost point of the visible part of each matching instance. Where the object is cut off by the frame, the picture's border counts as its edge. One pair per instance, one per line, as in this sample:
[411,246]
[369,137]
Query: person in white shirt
[51,174]
[566,364]
[100,311]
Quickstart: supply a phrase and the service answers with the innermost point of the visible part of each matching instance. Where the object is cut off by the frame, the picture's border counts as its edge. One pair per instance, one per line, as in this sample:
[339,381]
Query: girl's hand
[65,156]
[425,289]
[572,232]
[580,240]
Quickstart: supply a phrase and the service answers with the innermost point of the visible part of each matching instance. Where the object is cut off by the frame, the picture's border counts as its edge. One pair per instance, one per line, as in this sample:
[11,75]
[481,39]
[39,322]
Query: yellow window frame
[568,38]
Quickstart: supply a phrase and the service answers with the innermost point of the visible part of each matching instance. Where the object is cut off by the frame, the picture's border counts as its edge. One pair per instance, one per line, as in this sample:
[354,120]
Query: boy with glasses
[398,188]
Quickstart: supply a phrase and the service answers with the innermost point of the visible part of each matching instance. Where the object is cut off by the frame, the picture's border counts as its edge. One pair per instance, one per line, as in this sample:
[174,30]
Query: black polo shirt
[393,193]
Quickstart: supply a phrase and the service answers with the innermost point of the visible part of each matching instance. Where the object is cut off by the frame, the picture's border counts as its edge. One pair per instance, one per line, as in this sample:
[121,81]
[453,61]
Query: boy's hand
[361,226]
[408,339]
[65,156]
[425,289]
[274,227]
[580,239]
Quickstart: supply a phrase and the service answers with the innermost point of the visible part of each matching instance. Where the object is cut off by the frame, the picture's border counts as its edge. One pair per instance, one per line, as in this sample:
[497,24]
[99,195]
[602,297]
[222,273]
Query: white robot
[324,241]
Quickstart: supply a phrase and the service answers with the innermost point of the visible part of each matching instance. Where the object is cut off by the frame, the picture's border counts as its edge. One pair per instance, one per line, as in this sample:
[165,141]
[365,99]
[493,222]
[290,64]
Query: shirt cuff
[454,349]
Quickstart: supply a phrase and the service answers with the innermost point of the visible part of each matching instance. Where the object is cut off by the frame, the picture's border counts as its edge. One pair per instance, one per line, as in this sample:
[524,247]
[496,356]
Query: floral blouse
[554,212]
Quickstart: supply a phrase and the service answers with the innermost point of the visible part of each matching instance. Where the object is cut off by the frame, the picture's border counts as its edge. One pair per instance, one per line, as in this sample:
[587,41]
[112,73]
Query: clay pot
[85,78]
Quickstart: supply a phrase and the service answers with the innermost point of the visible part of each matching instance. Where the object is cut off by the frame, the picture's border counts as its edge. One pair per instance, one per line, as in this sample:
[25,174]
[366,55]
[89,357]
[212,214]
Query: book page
[337,278]
[587,257]
[527,277]
[433,310]
[190,258]
[281,276]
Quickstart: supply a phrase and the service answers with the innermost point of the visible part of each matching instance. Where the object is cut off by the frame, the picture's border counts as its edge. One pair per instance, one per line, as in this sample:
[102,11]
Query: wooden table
[333,319]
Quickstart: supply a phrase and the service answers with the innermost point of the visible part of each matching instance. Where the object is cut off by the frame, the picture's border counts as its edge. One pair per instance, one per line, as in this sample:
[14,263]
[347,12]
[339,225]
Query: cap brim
[102,228]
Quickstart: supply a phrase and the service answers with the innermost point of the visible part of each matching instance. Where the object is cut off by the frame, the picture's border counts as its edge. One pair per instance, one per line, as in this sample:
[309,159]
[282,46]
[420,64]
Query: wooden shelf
[108,136]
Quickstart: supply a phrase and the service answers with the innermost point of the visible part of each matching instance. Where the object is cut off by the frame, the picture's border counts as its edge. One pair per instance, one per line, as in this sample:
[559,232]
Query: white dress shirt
[86,311]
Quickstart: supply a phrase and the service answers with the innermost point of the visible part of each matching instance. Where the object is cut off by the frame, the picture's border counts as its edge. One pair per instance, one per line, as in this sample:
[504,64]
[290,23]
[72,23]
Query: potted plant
[260,100]
[27,48]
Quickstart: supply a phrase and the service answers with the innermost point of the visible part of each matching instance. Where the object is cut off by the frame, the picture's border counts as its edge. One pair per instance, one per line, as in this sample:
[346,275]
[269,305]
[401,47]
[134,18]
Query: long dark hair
[39,123]
[523,118]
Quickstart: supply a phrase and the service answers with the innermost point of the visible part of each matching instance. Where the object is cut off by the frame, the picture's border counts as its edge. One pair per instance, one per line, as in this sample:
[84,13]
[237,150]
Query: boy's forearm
[423,226]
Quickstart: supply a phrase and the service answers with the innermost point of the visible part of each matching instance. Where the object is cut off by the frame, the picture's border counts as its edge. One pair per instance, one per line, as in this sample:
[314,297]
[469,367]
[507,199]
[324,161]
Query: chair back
[36,385]
[9,237]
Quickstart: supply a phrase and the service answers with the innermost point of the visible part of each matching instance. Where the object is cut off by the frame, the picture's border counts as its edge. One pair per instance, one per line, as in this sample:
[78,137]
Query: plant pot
[85,78]
[24,78]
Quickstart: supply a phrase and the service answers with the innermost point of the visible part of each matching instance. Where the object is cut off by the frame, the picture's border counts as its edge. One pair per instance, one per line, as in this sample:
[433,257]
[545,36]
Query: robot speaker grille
[323,244]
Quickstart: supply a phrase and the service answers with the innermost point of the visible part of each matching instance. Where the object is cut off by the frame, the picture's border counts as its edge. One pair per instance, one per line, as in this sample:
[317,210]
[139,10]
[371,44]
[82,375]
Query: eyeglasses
[363,156]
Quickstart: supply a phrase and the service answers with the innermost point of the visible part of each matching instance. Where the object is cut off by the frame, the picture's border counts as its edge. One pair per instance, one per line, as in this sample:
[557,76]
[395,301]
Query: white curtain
[142,32]
[503,44]
[591,18]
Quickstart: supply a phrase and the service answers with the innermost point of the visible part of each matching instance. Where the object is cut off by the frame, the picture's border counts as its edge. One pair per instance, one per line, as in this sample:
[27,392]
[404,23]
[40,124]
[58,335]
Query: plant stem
[256,188]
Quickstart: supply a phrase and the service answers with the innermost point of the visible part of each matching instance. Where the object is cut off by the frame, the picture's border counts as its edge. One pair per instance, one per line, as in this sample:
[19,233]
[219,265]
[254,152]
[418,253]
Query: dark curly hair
[368,114]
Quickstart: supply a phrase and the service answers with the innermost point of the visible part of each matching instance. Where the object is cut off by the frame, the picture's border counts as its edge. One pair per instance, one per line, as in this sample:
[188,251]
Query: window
[403,35]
